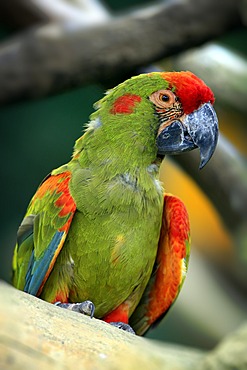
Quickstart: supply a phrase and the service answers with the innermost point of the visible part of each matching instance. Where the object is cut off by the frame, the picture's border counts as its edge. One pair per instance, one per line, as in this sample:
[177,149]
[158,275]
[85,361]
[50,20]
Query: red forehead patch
[191,90]
[125,104]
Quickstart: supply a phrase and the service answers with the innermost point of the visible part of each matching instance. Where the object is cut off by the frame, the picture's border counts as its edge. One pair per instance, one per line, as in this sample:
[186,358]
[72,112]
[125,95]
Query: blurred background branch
[21,14]
[66,53]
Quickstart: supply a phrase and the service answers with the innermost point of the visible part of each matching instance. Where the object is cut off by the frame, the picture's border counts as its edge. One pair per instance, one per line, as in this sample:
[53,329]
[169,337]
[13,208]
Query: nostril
[166,135]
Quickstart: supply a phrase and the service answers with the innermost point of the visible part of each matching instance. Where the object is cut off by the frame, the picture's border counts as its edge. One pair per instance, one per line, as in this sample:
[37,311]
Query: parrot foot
[123,326]
[86,307]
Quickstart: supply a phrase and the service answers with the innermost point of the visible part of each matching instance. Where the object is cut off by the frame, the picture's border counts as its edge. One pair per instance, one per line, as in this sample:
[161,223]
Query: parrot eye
[163,98]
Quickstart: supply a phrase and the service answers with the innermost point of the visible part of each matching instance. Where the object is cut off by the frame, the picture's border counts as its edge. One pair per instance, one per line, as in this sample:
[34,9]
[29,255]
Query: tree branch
[54,57]
[36,334]
[26,13]
[83,12]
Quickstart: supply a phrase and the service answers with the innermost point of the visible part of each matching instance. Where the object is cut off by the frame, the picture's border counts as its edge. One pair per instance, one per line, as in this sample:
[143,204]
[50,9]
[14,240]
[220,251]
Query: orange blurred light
[207,230]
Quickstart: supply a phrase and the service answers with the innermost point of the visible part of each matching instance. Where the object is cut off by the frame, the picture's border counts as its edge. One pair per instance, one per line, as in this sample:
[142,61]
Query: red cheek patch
[125,104]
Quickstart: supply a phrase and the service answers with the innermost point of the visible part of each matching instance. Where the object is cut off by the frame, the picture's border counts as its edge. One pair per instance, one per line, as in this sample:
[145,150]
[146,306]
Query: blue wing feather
[37,269]
[42,233]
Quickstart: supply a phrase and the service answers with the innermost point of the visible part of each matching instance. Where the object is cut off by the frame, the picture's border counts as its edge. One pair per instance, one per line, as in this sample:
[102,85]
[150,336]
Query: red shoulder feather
[169,269]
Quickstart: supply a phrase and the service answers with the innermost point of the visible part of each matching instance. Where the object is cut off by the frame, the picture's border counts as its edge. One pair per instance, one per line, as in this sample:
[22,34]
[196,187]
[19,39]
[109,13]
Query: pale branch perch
[230,354]
[53,57]
[37,335]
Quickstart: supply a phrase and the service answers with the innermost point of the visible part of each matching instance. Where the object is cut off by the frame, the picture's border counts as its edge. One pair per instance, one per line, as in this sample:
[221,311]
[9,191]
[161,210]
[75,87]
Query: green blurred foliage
[122,5]
[236,40]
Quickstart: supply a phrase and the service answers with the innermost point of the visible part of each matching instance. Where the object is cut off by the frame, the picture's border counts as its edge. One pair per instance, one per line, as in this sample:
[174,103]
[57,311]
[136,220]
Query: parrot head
[187,117]
[173,111]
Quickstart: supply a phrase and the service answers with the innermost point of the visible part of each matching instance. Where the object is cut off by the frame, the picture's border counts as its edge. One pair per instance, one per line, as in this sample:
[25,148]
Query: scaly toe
[86,307]
[123,326]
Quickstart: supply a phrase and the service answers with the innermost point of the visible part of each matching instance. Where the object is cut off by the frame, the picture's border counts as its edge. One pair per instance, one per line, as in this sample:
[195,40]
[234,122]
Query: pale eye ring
[163,98]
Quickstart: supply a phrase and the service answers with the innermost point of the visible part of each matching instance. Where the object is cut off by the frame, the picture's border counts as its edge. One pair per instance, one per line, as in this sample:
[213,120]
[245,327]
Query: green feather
[111,246]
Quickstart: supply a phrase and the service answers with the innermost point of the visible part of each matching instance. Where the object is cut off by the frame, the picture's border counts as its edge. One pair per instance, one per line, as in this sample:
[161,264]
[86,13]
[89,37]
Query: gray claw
[123,326]
[86,307]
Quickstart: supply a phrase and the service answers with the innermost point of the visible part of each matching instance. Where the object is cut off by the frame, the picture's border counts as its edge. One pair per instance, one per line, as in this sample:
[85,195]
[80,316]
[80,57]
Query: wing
[42,233]
[169,269]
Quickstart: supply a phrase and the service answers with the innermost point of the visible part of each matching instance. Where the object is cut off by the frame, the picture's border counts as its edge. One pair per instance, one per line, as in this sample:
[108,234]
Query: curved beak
[198,129]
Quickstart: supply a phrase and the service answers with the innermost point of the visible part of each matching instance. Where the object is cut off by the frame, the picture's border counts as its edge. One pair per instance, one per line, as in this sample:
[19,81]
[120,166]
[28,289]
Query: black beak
[198,129]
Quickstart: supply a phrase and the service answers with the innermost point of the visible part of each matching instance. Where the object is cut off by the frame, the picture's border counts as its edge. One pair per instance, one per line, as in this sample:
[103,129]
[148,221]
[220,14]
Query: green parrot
[100,235]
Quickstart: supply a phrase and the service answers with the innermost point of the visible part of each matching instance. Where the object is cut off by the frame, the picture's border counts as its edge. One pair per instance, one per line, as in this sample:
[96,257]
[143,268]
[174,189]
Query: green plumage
[111,246]
[96,228]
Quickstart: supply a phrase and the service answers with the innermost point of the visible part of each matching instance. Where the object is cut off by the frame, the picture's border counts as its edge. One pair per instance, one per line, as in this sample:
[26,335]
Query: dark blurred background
[39,127]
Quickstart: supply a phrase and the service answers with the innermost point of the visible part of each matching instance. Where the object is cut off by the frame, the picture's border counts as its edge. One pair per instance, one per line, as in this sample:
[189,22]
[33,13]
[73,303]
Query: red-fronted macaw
[101,228]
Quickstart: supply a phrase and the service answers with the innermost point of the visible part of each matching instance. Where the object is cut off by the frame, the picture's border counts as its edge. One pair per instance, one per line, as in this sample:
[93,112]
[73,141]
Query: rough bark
[37,335]
[53,57]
